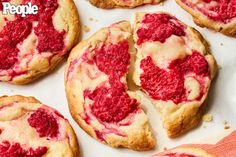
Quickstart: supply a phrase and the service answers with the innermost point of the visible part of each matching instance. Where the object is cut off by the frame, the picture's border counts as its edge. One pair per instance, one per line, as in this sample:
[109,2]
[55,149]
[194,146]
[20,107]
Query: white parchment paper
[222,100]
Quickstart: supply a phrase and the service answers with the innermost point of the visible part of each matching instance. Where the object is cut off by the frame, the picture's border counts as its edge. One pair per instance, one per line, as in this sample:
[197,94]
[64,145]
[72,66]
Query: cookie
[30,129]
[98,94]
[108,4]
[217,15]
[185,152]
[32,46]
[174,68]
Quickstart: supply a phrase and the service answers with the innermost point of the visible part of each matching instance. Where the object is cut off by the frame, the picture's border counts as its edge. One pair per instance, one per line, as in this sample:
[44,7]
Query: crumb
[221,44]
[91,19]
[161,4]
[154,132]
[86,28]
[219,67]
[204,126]
[207,118]
[225,122]
[226,125]
[165,149]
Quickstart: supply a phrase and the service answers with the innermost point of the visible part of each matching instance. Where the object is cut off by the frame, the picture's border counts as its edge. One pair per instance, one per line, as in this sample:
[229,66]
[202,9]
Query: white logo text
[22,10]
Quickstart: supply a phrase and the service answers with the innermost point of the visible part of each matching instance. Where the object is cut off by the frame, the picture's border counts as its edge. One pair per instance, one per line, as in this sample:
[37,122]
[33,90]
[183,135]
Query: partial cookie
[31,129]
[107,4]
[97,91]
[185,152]
[34,45]
[174,68]
[218,15]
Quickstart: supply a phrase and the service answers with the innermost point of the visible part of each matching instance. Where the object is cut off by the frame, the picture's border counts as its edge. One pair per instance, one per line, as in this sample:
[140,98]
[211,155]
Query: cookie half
[97,90]
[29,128]
[174,68]
[107,4]
[217,15]
[32,46]
[186,152]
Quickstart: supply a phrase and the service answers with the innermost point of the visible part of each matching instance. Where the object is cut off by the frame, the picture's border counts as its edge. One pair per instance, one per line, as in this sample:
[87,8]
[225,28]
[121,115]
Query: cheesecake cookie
[30,129]
[218,15]
[174,68]
[32,46]
[97,90]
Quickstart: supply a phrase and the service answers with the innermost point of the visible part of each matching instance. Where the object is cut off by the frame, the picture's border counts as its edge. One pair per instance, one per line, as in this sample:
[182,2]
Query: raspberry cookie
[97,90]
[30,129]
[174,68]
[219,15]
[33,45]
[121,3]
[186,152]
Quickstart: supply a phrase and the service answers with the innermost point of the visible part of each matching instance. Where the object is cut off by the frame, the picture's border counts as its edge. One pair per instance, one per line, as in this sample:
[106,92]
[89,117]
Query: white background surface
[222,101]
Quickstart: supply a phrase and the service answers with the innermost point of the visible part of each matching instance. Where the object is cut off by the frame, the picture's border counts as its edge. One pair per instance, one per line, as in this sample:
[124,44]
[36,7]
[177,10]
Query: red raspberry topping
[45,124]
[112,104]
[15,32]
[52,42]
[100,136]
[159,27]
[12,33]
[113,59]
[49,39]
[166,85]
[8,55]
[15,150]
